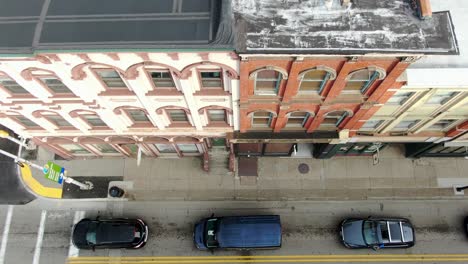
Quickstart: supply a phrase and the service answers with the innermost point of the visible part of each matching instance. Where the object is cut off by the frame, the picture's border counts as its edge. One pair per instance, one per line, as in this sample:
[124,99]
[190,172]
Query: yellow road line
[36,186]
[274,259]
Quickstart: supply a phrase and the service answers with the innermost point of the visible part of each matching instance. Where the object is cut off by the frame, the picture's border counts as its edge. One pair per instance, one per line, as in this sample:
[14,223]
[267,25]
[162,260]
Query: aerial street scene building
[290,131]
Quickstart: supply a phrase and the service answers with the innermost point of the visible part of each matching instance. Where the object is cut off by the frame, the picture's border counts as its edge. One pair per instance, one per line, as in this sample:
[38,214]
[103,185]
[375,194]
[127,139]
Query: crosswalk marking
[40,237]
[6,231]
[74,251]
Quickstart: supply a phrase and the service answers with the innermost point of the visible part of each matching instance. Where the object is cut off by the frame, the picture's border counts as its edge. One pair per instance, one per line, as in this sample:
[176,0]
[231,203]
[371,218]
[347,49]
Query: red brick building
[316,73]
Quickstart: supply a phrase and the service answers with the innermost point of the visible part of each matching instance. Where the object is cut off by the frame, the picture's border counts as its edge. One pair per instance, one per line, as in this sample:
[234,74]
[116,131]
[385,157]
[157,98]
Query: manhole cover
[303,168]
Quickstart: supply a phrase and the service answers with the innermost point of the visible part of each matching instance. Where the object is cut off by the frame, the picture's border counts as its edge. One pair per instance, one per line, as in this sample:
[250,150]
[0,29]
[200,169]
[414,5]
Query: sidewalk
[339,178]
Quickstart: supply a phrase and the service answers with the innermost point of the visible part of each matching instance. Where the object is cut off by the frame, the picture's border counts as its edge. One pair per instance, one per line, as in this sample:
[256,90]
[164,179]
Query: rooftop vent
[424,8]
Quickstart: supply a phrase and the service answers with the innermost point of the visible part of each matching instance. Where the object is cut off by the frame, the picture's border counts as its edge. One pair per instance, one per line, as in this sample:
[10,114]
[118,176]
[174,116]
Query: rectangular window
[177,115]
[162,79]
[441,97]
[211,79]
[165,148]
[12,86]
[105,148]
[188,148]
[405,125]
[138,115]
[75,149]
[400,98]
[55,85]
[261,119]
[94,120]
[442,124]
[217,115]
[372,124]
[112,79]
[26,122]
[297,119]
[58,121]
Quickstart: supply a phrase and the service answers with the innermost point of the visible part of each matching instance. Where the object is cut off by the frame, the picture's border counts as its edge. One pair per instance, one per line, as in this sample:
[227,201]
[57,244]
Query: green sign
[54,172]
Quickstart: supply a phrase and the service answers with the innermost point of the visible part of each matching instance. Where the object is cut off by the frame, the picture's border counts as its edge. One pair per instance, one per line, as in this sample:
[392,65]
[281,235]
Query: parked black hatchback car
[377,233]
[110,233]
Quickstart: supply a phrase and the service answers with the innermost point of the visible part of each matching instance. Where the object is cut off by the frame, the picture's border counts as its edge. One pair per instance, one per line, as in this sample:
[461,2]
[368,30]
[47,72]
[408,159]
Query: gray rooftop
[324,26]
[27,26]
[458,10]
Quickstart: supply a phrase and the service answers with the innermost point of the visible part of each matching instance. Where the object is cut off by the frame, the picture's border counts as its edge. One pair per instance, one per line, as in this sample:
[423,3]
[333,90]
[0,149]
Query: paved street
[39,232]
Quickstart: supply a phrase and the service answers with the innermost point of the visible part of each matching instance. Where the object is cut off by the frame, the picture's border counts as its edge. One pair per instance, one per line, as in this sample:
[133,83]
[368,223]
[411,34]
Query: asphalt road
[39,232]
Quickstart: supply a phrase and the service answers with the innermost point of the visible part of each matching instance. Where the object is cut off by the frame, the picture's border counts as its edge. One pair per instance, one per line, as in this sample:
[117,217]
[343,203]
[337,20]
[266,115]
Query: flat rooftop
[27,26]
[326,27]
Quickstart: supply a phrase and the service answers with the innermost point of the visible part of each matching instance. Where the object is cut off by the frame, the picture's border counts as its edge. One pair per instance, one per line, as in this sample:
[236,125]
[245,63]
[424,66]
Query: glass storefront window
[188,148]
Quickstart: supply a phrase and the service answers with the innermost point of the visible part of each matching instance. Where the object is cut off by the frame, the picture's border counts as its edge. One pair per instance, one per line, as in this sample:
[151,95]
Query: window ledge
[122,92]
[164,92]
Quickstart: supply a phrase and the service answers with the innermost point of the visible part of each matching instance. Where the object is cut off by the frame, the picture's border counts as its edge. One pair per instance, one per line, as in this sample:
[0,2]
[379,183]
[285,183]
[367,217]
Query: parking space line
[74,251]
[6,231]
[40,237]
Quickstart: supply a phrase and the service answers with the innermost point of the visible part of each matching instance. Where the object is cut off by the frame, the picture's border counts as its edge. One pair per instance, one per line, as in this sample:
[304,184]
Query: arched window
[55,119]
[297,119]
[216,115]
[48,80]
[333,119]
[138,117]
[92,119]
[25,122]
[267,82]
[314,81]
[177,116]
[10,86]
[262,119]
[361,80]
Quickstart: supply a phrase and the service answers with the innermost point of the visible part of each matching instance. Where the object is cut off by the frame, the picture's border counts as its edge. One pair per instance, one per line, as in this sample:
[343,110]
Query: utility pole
[44,169]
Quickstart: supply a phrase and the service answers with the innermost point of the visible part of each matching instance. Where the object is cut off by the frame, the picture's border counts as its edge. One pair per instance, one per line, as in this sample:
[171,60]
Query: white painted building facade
[109,104]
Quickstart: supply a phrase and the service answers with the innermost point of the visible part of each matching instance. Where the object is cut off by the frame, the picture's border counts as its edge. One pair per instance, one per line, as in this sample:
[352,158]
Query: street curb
[35,187]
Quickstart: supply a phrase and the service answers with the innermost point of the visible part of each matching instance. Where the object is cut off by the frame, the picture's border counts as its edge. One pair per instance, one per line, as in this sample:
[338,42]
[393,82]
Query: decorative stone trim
[284,73]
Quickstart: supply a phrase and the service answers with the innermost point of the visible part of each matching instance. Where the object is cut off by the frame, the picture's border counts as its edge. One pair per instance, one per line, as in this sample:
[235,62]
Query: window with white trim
[165,148]
[441,97]
[58,121]
[211,79]
[75,149]
[361,80]
[406,125]
[262,119]
[443,124]
[137,115]
[188,148]
[267,82]
[94,120]
[105,148]
[217,115]
[55,84]
[297,119]
[162,79]
[313,82]
[400,97]
[12,86]
[26,122]
[371,124]
[177,115]
[111,78]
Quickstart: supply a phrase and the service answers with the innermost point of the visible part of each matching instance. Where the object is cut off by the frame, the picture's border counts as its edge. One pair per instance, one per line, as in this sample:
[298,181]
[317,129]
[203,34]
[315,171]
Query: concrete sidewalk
[339,178]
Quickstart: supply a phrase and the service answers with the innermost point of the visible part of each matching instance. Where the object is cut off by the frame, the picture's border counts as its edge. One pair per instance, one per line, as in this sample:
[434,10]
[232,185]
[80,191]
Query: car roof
[249,231]
[115,232]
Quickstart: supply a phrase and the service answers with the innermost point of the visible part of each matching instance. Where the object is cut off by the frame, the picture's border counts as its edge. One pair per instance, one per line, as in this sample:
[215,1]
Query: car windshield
[211,229]
[91,234]
[370,232]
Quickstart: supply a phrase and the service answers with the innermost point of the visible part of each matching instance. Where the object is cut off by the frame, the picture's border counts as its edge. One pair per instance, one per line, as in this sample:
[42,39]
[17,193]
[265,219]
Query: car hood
[352,233]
